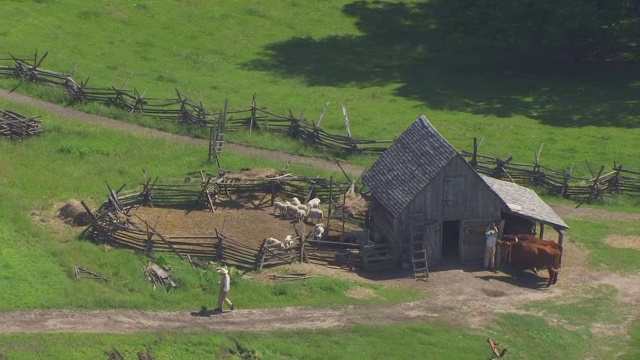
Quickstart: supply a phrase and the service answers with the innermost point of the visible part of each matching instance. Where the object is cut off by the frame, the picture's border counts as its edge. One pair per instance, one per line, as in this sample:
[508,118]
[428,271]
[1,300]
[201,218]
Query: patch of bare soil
[623,241]
[361,293]
[244,218]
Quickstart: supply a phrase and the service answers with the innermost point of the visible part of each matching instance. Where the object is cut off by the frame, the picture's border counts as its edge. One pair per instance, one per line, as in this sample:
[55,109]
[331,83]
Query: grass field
[383,60]
[387,65]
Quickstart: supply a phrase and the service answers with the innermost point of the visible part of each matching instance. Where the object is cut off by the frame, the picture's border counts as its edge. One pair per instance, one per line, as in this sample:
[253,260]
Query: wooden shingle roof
[524,202]
[404,169]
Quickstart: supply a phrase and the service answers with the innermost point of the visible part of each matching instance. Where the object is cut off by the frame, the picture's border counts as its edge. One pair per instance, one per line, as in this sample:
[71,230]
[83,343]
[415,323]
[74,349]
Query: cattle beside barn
[528,255]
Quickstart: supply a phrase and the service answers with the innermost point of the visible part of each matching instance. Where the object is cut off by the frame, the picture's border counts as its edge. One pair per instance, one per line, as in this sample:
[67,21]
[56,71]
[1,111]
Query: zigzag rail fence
[563,183]
[116,223]
[184,111]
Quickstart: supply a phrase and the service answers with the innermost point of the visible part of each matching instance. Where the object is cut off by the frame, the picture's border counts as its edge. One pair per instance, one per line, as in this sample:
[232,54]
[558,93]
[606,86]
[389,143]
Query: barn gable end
[416,157]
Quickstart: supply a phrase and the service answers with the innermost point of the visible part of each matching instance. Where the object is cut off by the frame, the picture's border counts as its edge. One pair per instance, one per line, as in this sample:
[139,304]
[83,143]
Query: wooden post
[161,237]
[344,204]
[541,230]
[273,193]
[474,157]
[253,113]
[330,201]
[346,120]
[322,113]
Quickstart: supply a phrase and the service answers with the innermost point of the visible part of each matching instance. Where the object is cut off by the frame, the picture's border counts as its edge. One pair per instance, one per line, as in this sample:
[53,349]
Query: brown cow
[526,255]
[532,239]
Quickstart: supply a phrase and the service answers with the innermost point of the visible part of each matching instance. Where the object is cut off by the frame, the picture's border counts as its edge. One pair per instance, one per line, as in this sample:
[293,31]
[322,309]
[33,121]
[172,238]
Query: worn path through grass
[132,128]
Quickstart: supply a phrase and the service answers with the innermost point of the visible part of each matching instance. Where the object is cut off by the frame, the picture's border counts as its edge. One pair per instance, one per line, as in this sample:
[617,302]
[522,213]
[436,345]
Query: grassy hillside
[383,60]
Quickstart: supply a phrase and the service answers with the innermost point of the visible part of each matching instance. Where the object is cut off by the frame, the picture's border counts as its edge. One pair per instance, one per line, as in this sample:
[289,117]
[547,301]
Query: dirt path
[135,129]
[479,298]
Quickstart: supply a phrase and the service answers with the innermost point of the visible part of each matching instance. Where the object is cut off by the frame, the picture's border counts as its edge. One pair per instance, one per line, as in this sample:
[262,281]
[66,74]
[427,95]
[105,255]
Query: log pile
[159,276]
[17,127]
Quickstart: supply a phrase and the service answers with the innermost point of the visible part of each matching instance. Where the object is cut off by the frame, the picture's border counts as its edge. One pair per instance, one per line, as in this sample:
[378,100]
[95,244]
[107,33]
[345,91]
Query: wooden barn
[427,199]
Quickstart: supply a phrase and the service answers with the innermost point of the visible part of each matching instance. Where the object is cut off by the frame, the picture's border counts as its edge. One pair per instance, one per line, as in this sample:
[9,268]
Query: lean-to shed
[426,193]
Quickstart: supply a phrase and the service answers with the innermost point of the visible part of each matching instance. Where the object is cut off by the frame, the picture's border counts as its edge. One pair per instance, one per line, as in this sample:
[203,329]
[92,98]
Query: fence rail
[563,183]
[186,112]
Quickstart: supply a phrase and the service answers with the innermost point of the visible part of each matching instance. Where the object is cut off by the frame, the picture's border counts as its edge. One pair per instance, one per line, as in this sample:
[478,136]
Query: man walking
[223,297]
[490,246]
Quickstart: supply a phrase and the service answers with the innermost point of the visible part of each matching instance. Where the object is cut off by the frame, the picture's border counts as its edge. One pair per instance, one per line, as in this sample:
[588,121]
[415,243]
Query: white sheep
[290,211]
[315,214]
[314,203]
[279,207]
[275,243]
[300,215]
[288,242]
[303,207]
[318,231]
[295,201]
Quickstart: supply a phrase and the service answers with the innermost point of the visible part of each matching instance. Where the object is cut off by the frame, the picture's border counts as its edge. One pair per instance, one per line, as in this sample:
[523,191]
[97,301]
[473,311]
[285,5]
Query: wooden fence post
[253,113]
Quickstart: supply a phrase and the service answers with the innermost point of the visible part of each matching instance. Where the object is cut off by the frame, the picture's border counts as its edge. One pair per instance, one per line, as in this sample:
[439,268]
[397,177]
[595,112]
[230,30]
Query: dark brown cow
[527,255]
[532,239]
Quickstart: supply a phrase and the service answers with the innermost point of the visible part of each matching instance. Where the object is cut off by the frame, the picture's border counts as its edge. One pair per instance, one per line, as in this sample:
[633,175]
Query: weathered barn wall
[457,193]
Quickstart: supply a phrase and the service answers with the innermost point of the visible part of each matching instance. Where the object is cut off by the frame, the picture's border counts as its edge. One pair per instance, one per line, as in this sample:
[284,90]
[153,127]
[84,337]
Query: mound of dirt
[73,213]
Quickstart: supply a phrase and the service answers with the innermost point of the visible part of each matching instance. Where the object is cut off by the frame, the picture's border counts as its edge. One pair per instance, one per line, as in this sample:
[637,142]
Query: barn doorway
[450,239]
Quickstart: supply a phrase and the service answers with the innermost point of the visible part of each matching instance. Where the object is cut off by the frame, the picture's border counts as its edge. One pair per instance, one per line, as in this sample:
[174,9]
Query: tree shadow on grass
[399,44]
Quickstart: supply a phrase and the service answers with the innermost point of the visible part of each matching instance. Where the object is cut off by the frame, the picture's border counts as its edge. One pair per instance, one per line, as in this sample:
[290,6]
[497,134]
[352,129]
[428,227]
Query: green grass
[382,60]
[360,342]
[584,305]
[562,327]
[532,337]
[592,232]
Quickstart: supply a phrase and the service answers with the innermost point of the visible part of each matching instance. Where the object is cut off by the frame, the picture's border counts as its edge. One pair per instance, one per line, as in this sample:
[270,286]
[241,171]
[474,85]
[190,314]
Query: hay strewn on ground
[354,204]
[253,174]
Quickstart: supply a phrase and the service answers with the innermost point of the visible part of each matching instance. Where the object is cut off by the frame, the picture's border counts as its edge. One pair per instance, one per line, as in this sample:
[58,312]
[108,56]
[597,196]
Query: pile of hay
[252,174]
[73,213]
[354,204]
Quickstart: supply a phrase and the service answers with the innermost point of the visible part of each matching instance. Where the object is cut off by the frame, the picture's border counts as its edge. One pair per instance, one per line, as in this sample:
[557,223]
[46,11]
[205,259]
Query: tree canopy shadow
[401,44]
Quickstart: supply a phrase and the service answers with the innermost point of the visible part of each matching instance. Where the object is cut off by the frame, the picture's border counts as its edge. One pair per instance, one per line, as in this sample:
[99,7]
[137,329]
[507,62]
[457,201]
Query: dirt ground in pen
[469,297]
[243,218]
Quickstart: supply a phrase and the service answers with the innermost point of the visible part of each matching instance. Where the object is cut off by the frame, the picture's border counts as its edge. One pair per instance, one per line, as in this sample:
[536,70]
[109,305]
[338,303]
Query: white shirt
[492,236]
[225,283]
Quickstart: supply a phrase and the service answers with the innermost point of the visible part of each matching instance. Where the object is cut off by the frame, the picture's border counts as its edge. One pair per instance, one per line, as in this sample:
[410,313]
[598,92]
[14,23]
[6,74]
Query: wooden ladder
[419,262]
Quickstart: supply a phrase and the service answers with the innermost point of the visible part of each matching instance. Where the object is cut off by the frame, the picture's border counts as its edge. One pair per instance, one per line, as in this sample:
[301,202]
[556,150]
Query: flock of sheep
[300,212]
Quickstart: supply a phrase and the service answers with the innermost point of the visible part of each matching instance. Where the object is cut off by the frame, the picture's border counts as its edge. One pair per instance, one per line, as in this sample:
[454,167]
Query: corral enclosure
[238,218]
[228,217]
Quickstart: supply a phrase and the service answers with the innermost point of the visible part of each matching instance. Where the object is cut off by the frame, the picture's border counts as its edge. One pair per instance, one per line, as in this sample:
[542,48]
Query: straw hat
[223,271]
